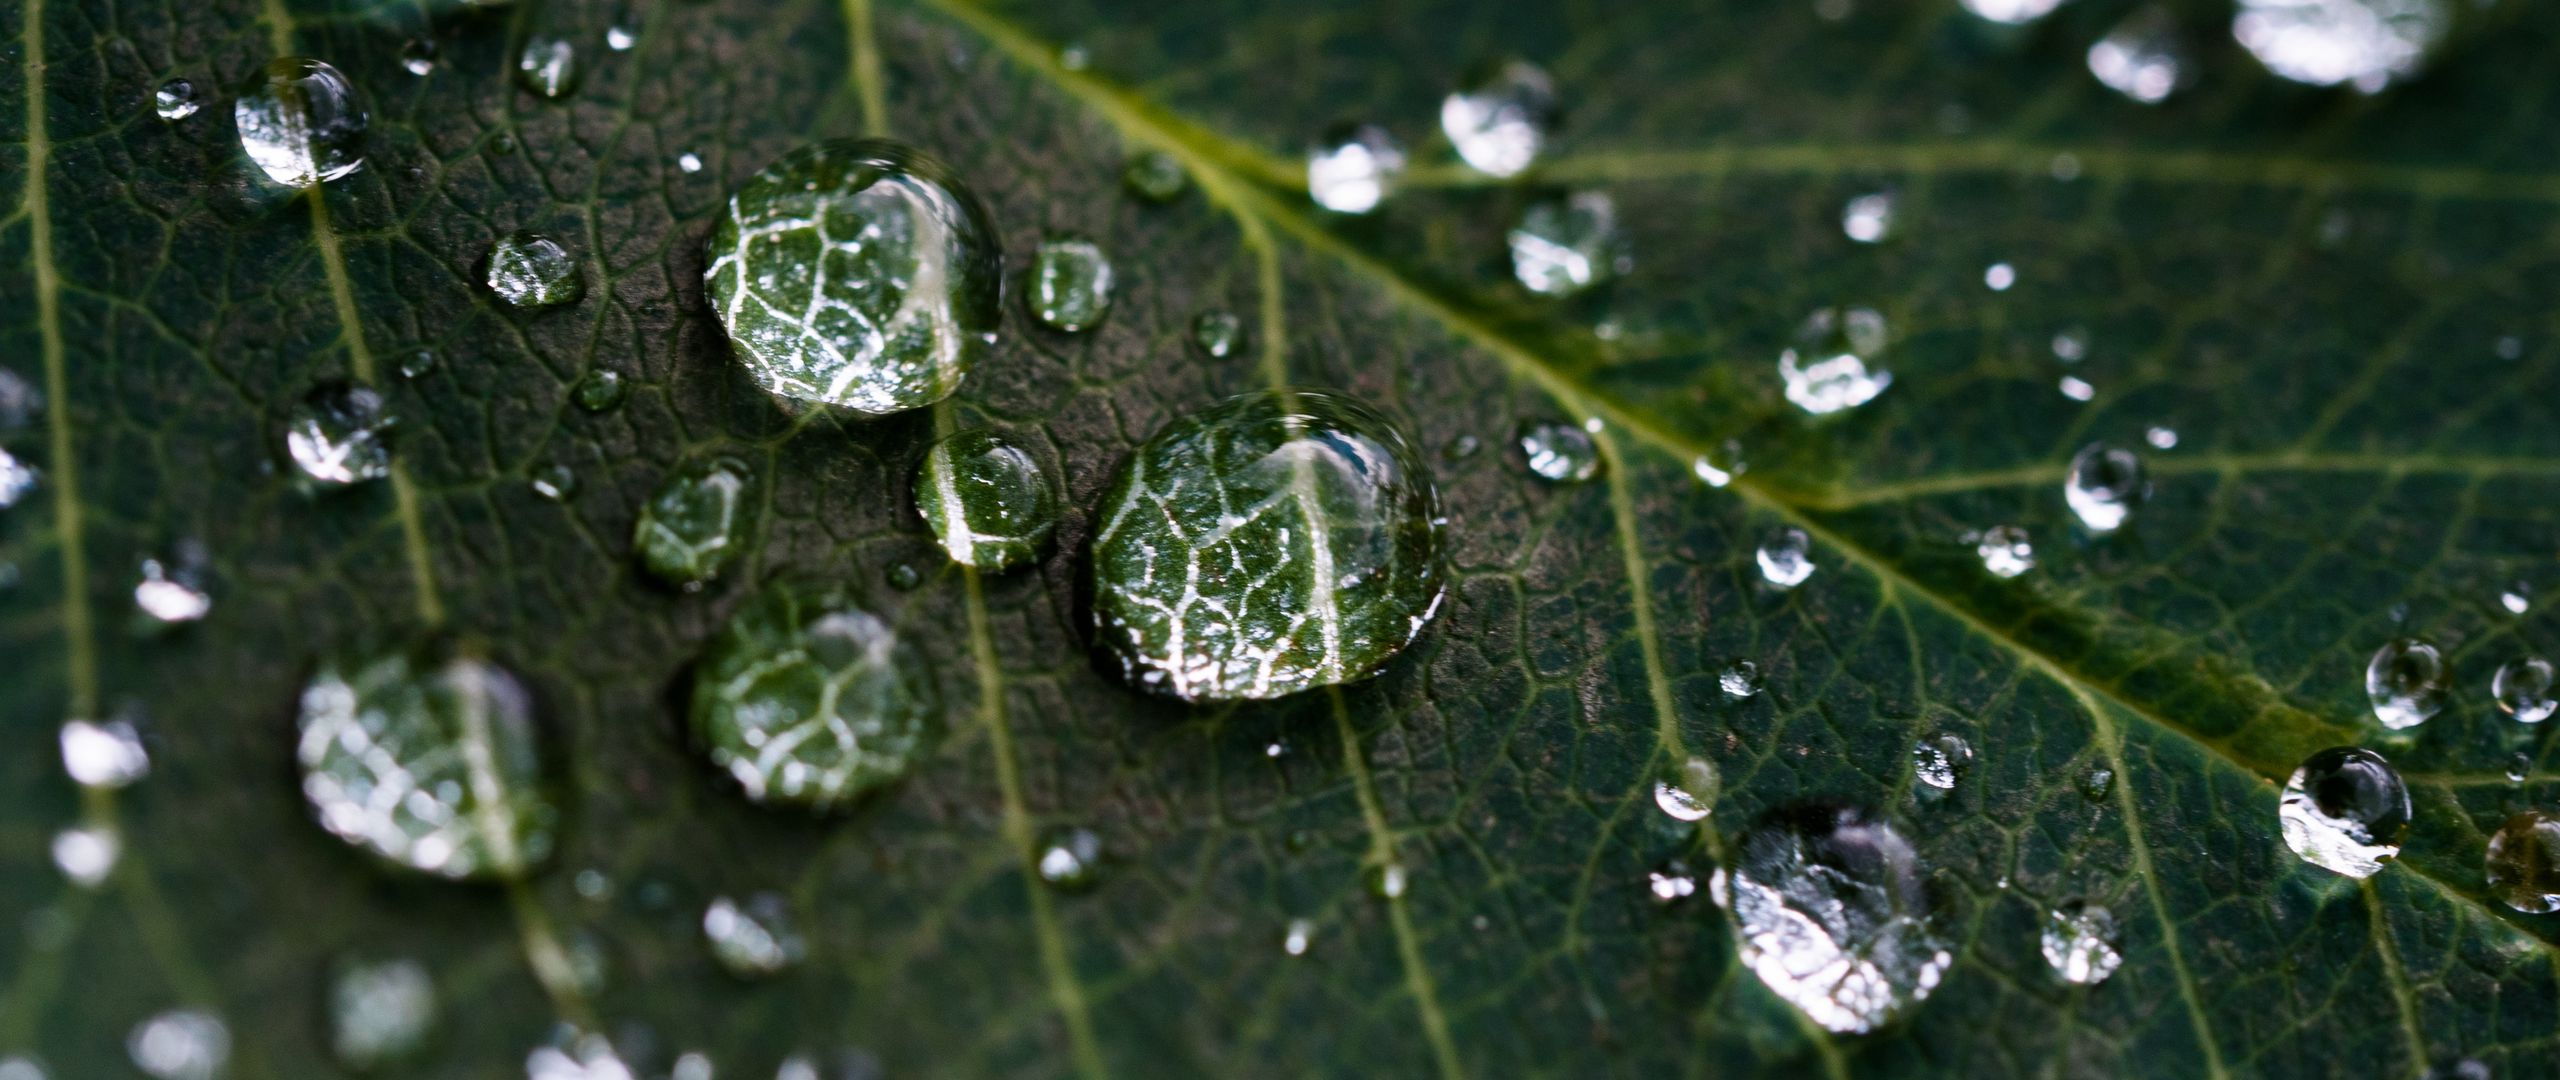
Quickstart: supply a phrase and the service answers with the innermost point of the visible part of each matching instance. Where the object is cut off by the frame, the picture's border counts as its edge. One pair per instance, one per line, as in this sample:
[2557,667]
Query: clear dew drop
[1071,859]
[2104,486]
[755,939]
[1559,452]
[2368,44]
[698,520]
[300,122]
[19,401]
[1565,246]
[2345,810]
[602,390]
[2407,682]
[2071,346]
[2076,388]
[2012,12]
[106,754]
[1689,792]
[1499,118]
[1999,277]
[2097,783]
[1155,176]
[2161,438]
[1829,911]
[2141,58]
[1830,368]
[988,502]
[577,1055]
[1740,679]
[808,700]
[548,67]
[86,855]
[173,591]
[555,482]
[689,162]
[620,38]
[180,1044]
[903,576]
[2082,942]
[1673,883]
[1217,334]
[1869,218]
[418,364]
[1354,168]
[1717,468]
[1939,760]
[2523,866]
[1299,934]
[1388,881]
[2522,688]
[2005,550]
[1786,557]
[1071,284]
[2519,767]
[339,434]
[380,1012]
[418,56]
[528,269]
[17,479]
[176,99]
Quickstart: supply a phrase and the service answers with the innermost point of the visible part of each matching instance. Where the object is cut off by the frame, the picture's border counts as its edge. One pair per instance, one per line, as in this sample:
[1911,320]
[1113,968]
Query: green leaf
[2338,302]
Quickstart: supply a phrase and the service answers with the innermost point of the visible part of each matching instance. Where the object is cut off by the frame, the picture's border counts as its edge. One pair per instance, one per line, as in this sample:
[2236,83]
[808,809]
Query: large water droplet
[1071,859]
[697,522]
[339,435]
[2080,941]
[2005,551]
[300,122]
[2523,689]
[431,763]
[859,273]
[1353,168]
[986,500]
[2407,682]
[1939,760]
[2345,810]
[103,755]
[548,66]
[1563,246]
[755,939]
[87,855]
[528,269]
[2012,12]
[2523,866]
[1217,333]
[1689,794]
[1740,679]
[2104,485]
[1563,453]
[1275,542]
[807,699]
[1498,120]
[380,1013]
[1070,284]
[1786,557]
[181,1044]
[176,99]
[2141,58]
[1155,176]
[1828,368]
[2368,43]
[1829,912]
[1868,219]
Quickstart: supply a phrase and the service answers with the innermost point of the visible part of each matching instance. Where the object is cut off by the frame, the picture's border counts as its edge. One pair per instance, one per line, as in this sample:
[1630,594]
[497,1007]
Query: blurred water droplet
[1689,793]
[1939,760]
[2519,767]
[17,478]
[1673,883]
[1155,176]
[1999,277]
[987,501]
[689,161]
[755,939]
[602,390]
[2077,388]
[339,435]
[2509,347]
[19,400]
[176,99]
[2141,58]
[2071,345]
[528,269]
[1499,117]
[1785,557]
[2523,866]
[696,523]
[691,1065]
[620,38]
[379,1013]
[2517,598]
[1564,246]
[1353,168]
[430,761]
[1830,913]
[1827,370]
[2012,12]
[300,122]
[1869,218]
[2005,551]
[576,1055]
[181,1044]
[2523,689]
[1071,859]
[87,855]
[1559,452]
[806,699]
[548,66]
[21,1068]
[2104,485]
[1075,57]
[1388,881]
[1717,468]
[1462,447]
[418,55]
[2161,438]
[555,481]
[1300,933]
[2407,683]
[2096,783]
[1217,333]
[2345,810]
[417,364]
[2367,43]
[2080,941]
[904,576]
[103,755]
[1740,679]
[174,591]
[1071,284]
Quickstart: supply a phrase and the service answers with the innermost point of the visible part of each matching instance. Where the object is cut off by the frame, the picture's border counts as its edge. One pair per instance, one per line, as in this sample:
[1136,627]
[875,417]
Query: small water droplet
[904,576]
[2524,863]
[986,500]
[620,38]
[528,269]
[689,161]
[2366,43]
[2407,683]
[1071,859]
[300,122]
[1718,467]
[2005,551]
[17,479]
[2065,167]
[1276,750]
[1499,117]
[1673,883]
[19,401]
[106,754]
[418,56]
[1740,679]
[1558,452]
[2012,12]
[1564,246]
[2071,345]
[760,715]
[15,1067]
[1939,760]
[430,761]
[339,435]
[173,591]
[697,522]
[1785,557]
[755,939]
[555,481]
[1827,370]
[1999,277]
[1075,57]
[2141,58]
[2080,941]
[2077,388]
[548,66]
[380,1013]
[576,1055]
[87,855]
[1388,881]
[2096,783]
[176,99]
[1353,168]
[1155,176]
[1689,793]
[2519,767]
[2517,598]
[1070,284]
[2104,485]
[2509,347]
[602,390]
[2523,689]
[418,364]
[1830,913]
[2161,438]
[1869,218]
[1462,447]
[180,1044]
[1217,334]
[1295,941]
[691,1065]
[2345,810]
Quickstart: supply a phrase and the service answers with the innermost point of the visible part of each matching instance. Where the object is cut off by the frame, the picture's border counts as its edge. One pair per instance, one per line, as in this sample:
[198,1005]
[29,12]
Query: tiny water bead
[2523,867]
[1070,284]
[2012,12]
[418,364]
[1299,934]
[1562,453]
[1071,859]
[176,99]
[1828,369]
[1155,176]
[555,482]
[2097,783]
[600,391]
[1354,168]
[859,273]
[1499,118]
[339,435]
[1672,883]
[1717,468]
[548,67]
[180,1044]
[2005,551]
[2161,438]
[2365,43]
[1869,218]
[1272,543]
[1740,679]
[2082,943]
[528,269]
[430,762]
[2141,58]
[1566,245]
[2407,682]
[2104,486]
[87,855]
[2077,388]
[103,755]
[1998,277]
[689,162]
[697,522]
[17,479]
[1689,793]
[1829,911]
[986,500]
[807,699]
[380,1013]
[755,939]
[1388,881]
[1785,556]
[1937,761]
[174,591]
[2523,689]
[418,56]
[300,122]
[2516,598]
[1217,334]
[2345,810]
[621,38]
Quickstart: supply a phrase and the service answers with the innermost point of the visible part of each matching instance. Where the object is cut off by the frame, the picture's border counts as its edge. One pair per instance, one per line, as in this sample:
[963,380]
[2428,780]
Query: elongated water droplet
[2366,43]
[1786,557]
[601,391]
[300,122]
[2080,941]
[1300,933]
[2407,683]
[1939,760]
[1829,369]
[697,522]
[2517,598]
[2161,438]
[2104,486]
[1275,542]
[2523,866]
[1070,284]
[1564,246]
[2141,58]
[1689,794]
[340,435]
[1071,859]
[2012,12]
[528,269]
[555,482]
[176,99]
[986,500]
[1868,219]
[1499,117]
[548,66]
[2523,689]
[1740,679]
[755,939]
[418,56]
[2076,388]
[806,699]
[1155,176]
[620,38]
[2005,551]
[181,1044]
[1829,911]
[87,855]
[859,273]
[1217,333]
[105,754]
[430,762]
[689,162]
[380,1013]
[1718,467]
[2345,810]
[1353,168]
[173,591]
[1563,453]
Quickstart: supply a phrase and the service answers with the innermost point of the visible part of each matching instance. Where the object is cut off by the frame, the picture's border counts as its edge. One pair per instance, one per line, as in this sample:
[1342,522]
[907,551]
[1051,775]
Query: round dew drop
[339,435]
[1559,453]
[300,122]
[379,1013]
[1830,368]
[1740,679]
[1217,334]
[1829,911]
[1070,284]
[548,66]
[2104,485]
[2141,58]
[808,700]
[1690,793]
[2523,689]
[755,939]
[2345,810]
[2005,551]
[176,99]
[1155,176]
[1354,168]
[1785,557]
[1499,120]
[600,391]
[2406,682]
[1071,859]
[1564,246]
[528,269]
[180,1044]
[2523,867]
[986,500]
[2082,943]
[697,522]
[1869,219]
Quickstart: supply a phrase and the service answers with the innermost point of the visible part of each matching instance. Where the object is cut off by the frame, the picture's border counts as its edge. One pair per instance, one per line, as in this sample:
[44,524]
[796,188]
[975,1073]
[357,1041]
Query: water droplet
[339,435]
[1388,881]
[2509,347]
[180,1044]
[174,591]
[1217,333]
[2523,689]
[2005,551]
[2345,810]
[620,38]
[1740,679]
[1829,912]
[528,269]
[380,1013]
[1276,750]
[17,478]
[1499,117]
[2524,863]
[103,755]
[1999,277]
[1939,759]
[691,1065]
[689,161]
[1673,883]
[859,273]
[986,500]
[1070,284]
[809,700]
[15,1067]
[555,482]
[904,576]
[1353,168]
[418,364]
[1827,370]
[2077,388]
[1869,218]
[1075,57]
[2080,941]
[2519,767]
[1563,453]
[1718,467]
[1155,176]
[602,390]
[2104,485]
[1563,246]
[2071,345]
[1295,941]
[576,1055]
[1462,447]
[2369,43]
[2517,598]
[2097,782]
[19,400]
[300,122]
[2141,58]
[1689,794]
[1786,556]
[87,855]
[2406,681]
[1071,859]
[1275,542]
[177,99]
[697,522]
[2161,438]
[548,66]
[755,939]
[2012,12]
[418,56]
